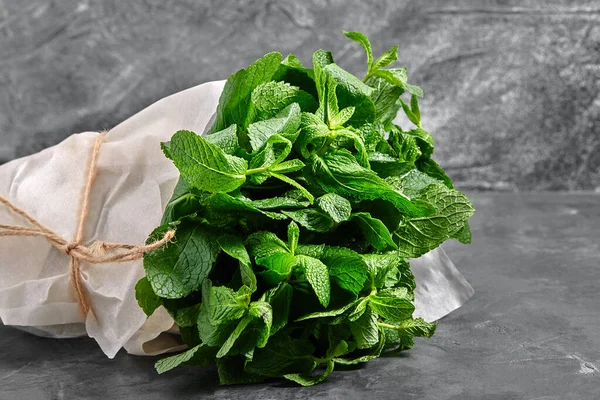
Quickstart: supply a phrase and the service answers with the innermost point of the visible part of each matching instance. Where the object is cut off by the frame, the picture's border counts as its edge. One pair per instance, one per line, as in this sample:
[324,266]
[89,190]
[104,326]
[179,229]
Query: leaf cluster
[295,218]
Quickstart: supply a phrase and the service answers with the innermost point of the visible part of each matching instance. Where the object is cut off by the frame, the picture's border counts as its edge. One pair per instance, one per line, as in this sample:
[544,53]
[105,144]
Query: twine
[98,252]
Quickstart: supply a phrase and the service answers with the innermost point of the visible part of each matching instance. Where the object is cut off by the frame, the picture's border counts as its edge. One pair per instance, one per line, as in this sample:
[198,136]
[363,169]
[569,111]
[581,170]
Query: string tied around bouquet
[98,252]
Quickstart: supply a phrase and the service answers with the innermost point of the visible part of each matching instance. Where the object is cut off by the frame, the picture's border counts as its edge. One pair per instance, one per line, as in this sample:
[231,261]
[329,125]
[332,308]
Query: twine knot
[99,252]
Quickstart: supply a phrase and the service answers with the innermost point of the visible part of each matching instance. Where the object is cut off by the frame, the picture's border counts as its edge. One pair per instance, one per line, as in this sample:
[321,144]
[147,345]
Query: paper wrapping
[133,185]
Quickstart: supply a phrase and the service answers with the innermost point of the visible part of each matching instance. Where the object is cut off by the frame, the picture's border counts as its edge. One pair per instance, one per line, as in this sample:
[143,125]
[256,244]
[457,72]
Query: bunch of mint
[295,217]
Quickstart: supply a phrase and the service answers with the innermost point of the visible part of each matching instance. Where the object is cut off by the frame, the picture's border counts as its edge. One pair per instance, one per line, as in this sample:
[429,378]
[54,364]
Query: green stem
[256,170]
[326,145]
[384,325]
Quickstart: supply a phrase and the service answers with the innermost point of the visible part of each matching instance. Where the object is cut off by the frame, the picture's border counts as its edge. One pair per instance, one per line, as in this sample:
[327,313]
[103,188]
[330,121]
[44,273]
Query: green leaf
[226,140]
[276,203]
[398,77]
[359,310]
[326,314]
[311,218]
[386,58]
[262,244]
[424,140]
[234,103]
[405,145]
[337,207]
[146,298]
[365,330]
[199,355]
[385,165]
[318,277]
[346,268]
[409,113]
[311,380]
[375,231]
[464,234]
[288,166]
[413,183]
[351,91]
[362,358]
[280,299]
[181,204]
[419,235]
[233,245]
[392,304]
[224,304]
[187,316]
[295,184]
[339,172]
[231,371]
[342,117]
[416,327]
[219,204]
[278,267]
[213,334]
[385,98]
[285,124]
[270,98]
[179,267]
[204,165]
[262,311]
[414,106]
[283,355]
[237,332]
[293,236]
[364,42]
[431,168]
[313,132]
[383,267]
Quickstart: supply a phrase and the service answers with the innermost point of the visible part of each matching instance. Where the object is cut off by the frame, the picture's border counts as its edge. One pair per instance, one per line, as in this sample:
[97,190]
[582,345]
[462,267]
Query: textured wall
[511,86]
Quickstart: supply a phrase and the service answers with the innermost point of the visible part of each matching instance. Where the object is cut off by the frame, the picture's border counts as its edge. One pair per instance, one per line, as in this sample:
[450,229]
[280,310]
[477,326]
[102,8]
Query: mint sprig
[296,218]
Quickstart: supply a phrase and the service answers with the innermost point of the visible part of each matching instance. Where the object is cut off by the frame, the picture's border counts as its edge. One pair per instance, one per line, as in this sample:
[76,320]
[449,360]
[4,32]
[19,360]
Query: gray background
[511,86]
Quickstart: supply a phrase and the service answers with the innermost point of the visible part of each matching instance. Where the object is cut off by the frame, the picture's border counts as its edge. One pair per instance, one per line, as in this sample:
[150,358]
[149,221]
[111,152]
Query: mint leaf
[386,58]
[223,303]
[284,123]
[293,236]
[306,380]
[198,355]
[375,231]
[282,355]
[263,244]
[270,98]
[234,103]
[233,245]
[421,234]
[365,330]
[179,267]
[311,218]
[278,267]
[146,297]
[392,304]
[339,172]
[364,42]
[337,207]
[326,314]
[226,140]
[280,299]
[346,268]
[318,277]
[204,165]
[432,169]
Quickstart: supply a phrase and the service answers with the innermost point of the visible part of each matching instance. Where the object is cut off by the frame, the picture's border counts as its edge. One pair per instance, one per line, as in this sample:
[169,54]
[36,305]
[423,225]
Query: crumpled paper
[133,185]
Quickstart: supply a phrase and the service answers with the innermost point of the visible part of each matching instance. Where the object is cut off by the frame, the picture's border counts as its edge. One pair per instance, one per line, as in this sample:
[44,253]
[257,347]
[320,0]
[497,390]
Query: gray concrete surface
[511,86]
[532,330]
